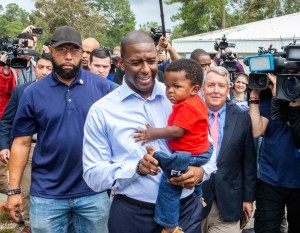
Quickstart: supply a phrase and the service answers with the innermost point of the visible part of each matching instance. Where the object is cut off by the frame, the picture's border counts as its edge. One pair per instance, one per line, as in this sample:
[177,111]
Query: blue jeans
[168,199]
[88,214]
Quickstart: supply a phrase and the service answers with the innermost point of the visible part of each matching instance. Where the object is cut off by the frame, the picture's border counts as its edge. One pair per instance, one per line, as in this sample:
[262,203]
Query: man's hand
[254,93]
[273,78]
[248,208]
[190,179]
[148,164]
[28,29]
[4,155]
[14,203]
[294,103]
[163,42]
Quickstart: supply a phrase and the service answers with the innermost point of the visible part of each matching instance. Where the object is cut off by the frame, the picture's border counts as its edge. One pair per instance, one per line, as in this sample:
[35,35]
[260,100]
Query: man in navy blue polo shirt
[55,108]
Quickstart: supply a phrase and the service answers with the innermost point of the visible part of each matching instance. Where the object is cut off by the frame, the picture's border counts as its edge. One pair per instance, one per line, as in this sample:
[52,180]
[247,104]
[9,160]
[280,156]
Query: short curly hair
[192,69]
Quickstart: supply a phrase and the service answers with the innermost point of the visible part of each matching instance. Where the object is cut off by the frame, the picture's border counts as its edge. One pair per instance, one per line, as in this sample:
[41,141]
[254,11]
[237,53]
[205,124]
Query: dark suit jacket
[9,114]
[235,180]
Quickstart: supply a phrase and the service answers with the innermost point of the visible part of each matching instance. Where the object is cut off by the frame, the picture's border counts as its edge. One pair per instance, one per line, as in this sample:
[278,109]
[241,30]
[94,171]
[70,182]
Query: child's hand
[143,135]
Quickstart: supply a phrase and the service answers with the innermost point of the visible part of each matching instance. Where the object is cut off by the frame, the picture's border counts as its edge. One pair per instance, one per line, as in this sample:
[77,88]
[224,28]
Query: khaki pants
[214,223]
[25,186]
[3,177]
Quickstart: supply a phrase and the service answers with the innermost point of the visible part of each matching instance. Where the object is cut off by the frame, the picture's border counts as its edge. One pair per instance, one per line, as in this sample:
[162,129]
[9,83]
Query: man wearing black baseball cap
[55,108]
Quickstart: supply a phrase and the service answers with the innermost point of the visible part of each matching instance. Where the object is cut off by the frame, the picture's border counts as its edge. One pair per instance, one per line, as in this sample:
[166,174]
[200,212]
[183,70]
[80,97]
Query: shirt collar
[80,79]
[126,91]
[221,111]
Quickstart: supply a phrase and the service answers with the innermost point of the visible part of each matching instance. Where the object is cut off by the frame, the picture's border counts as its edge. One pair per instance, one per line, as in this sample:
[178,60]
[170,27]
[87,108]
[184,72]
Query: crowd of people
[137,141]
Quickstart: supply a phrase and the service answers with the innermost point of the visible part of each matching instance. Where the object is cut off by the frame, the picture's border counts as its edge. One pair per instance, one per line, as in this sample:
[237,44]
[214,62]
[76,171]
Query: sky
[144,10]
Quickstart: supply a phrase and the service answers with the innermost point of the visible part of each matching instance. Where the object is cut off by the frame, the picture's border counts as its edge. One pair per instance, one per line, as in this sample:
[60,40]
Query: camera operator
[287,111]
[294,120]
[22,75]
[278,182]
[217,58]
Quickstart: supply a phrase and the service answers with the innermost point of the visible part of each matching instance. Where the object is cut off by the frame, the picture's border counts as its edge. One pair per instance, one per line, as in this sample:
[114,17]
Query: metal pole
[163,29]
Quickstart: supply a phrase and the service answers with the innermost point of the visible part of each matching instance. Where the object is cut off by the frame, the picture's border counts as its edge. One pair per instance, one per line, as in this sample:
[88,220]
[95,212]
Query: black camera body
[13,51]
[267,61]
[221,43]
[228,61]
[288,85]
[157,33]
[284,64]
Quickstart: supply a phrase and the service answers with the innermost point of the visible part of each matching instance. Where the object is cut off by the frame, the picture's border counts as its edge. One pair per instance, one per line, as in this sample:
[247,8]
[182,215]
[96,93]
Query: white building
[279,31]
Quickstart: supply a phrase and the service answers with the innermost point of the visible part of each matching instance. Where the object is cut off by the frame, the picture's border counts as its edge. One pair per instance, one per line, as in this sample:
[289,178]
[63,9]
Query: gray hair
[219,70]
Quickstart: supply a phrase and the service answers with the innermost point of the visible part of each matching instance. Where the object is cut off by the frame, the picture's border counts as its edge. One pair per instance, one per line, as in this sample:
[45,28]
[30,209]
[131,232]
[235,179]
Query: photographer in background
[278,183]
[229,55]
[34,31]
[22,75]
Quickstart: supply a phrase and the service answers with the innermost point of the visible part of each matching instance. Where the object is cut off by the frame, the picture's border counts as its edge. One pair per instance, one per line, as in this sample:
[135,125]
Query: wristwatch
[13,191]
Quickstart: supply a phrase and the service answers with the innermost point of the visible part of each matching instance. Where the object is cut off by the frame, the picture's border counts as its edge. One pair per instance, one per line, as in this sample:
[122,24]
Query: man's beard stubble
[66,74]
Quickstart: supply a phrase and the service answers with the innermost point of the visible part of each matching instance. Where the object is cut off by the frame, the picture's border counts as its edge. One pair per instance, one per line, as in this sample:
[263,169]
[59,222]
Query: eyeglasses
[64,51]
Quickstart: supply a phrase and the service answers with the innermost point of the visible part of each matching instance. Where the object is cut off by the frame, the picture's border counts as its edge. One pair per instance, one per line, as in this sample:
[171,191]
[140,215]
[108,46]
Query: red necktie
[214,130]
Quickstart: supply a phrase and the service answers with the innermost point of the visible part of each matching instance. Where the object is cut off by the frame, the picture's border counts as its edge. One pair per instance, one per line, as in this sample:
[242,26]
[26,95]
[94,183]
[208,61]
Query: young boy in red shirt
[187,132]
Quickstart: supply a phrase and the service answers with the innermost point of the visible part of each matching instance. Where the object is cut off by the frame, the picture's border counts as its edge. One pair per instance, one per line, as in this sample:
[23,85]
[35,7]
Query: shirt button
[69,100]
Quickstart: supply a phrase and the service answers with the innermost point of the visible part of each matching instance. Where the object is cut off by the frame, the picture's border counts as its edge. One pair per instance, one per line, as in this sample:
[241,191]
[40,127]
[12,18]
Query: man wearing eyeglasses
[55,108]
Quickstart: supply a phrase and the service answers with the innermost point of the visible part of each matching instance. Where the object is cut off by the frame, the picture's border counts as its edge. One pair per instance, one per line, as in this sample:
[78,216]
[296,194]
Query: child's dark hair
[192,69]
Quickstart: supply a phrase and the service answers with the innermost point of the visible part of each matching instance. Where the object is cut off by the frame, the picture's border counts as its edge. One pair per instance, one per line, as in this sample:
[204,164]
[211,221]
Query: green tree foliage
[118,20]
[75,13]
[200,16]
[146,27]
[13,20]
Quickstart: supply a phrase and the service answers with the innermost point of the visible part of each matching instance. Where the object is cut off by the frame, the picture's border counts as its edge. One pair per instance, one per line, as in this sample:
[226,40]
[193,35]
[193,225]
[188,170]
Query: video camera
[283,64]
[13,50]
[228,59]
[157,33]
[221,43]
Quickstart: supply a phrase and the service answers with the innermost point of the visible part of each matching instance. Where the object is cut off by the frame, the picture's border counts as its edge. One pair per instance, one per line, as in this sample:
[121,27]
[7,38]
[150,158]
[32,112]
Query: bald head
[135,37]
[88,45]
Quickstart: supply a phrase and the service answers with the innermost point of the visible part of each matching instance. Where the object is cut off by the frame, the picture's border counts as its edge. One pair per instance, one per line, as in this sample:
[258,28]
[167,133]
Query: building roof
[248,37]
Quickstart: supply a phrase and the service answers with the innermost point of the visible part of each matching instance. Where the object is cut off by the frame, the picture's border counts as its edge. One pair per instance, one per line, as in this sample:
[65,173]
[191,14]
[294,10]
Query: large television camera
[14,50]
[284,64]
[288,85]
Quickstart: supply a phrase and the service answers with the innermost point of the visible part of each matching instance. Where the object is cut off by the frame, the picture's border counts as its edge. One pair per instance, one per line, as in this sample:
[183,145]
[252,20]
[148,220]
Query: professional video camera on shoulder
[228,60]
[288,85]
[267,61]
[14,49]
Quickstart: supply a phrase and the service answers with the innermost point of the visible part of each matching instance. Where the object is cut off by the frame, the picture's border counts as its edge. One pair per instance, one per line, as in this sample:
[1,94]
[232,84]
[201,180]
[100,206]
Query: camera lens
[261,81]
[291,87]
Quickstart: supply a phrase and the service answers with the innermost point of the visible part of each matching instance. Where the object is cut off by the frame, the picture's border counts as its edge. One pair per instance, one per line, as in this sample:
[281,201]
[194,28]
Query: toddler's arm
[150,133]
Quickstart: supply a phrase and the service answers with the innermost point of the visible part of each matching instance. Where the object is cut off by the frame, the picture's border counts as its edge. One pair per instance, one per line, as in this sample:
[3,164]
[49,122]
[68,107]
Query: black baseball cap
[64,35]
